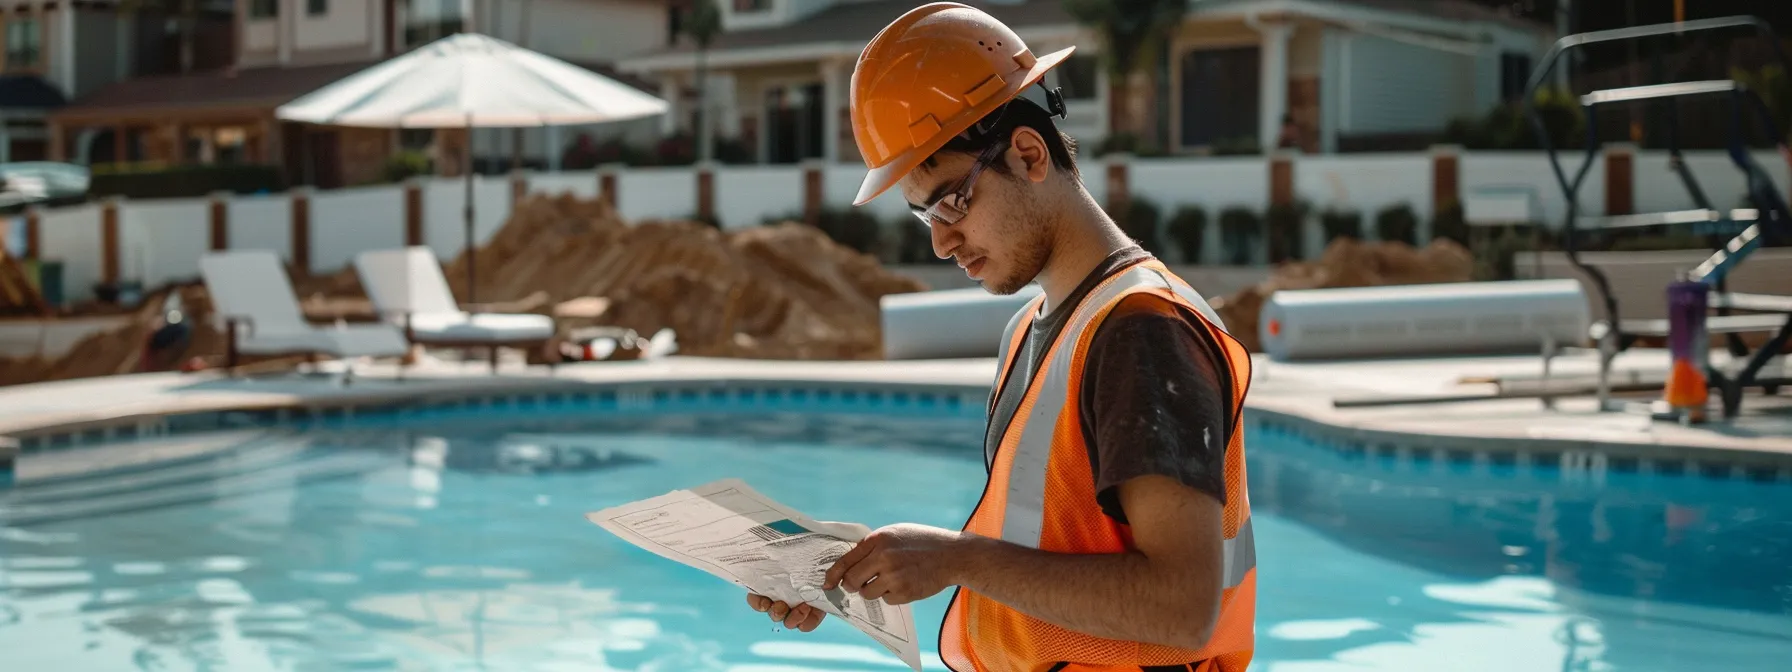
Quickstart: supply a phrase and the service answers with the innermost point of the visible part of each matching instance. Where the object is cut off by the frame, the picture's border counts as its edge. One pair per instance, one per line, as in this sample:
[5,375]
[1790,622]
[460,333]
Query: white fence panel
[579,184]
[1659,189]
[161,241]
[1365,183]
[72,235]
[1214,183]
[344,222]
[444,212]
[1530,171]
[260,222]
[747,196]
[657,193]
[840,184]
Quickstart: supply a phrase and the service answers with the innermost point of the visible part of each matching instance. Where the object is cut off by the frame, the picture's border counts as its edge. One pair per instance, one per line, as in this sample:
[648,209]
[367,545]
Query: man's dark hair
[1015,114]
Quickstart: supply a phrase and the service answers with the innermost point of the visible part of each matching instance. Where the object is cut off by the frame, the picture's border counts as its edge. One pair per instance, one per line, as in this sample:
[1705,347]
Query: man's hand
[900,563]
[803,617]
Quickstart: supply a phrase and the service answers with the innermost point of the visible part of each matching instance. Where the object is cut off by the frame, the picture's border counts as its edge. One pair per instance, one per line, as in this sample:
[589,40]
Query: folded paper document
[729,530]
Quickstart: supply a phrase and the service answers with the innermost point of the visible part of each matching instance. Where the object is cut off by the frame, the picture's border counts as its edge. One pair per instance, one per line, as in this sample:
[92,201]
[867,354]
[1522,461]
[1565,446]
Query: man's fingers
[779,610]
[759,603]
[846,562]
[863,571]
[813,621]
[797,616]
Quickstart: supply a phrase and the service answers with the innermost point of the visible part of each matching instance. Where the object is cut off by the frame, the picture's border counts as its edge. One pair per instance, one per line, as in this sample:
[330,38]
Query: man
[1114,532]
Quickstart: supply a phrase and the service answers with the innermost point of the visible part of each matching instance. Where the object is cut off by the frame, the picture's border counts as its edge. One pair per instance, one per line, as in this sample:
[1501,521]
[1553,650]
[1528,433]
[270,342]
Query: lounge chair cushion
[481,327]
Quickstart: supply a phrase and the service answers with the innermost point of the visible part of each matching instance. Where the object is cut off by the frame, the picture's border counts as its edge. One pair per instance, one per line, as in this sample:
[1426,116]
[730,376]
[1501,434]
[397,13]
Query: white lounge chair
[251,294]
[407,287]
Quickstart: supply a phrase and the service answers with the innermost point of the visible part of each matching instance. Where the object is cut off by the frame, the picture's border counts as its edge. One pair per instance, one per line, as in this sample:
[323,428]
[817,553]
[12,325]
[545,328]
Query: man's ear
[1027,154]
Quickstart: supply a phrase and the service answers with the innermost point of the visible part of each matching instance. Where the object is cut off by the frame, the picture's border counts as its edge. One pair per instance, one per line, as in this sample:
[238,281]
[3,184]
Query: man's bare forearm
[1125,596]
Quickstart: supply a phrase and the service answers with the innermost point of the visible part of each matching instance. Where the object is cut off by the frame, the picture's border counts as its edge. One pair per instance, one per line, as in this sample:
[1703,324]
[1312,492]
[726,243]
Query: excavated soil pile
[1347,263]
[121,350]
[777,292]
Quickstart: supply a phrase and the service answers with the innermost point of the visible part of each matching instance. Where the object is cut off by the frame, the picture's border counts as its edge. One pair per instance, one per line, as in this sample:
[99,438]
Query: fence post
[519,188]
[606,183]
[813,184]
[706,192]
[1119,165]
[34,240]
[301,229]
[1446,186]
[1620,180]
[1281,241]
[109,240]
[413,211]
[220,221]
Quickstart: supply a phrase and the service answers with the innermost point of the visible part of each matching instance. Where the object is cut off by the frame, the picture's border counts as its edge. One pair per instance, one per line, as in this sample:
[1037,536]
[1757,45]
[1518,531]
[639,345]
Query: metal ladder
[1771,220]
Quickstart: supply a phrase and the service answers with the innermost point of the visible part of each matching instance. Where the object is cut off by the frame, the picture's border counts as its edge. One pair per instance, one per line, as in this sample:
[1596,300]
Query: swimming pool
[460,543]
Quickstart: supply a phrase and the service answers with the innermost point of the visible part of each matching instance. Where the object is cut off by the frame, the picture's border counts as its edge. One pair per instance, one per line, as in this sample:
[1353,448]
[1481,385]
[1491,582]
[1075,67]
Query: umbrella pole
[467,166]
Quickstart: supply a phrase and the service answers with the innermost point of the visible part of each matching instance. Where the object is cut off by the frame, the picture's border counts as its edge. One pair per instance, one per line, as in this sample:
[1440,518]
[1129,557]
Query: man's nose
[945,240]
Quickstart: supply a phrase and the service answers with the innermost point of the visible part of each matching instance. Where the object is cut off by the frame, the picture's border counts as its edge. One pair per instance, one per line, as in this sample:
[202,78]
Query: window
[317,7]
[430,20]
[264,9]
[1515,74]
[23,42]
[1076,76]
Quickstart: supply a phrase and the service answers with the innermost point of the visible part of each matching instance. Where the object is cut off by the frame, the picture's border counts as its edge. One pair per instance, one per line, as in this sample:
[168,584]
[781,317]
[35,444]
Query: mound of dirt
[1347,262]
[781,292]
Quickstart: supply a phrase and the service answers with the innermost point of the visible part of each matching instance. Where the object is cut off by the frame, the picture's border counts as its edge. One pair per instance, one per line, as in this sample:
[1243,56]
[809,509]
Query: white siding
[344,23]
[1394,87]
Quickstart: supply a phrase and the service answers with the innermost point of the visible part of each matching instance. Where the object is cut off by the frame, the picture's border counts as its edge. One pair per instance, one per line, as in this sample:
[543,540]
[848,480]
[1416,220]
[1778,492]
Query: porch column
[669,93]
[831,71]
[58,141]
[1273,89]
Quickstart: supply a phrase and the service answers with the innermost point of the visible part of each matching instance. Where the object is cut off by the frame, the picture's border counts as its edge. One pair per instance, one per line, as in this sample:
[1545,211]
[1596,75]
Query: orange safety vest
[1041,494]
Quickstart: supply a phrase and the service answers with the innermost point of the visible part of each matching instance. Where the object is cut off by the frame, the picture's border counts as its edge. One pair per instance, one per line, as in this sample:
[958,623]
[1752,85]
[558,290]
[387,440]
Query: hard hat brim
[880,179]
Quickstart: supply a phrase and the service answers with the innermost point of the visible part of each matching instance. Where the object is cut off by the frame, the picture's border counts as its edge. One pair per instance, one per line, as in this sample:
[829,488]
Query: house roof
[264,87]
[859,22]
[29,91]
[848,26]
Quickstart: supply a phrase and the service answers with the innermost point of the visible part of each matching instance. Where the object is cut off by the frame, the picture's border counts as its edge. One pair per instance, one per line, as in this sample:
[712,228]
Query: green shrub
[1240,233]
[1188,228]
[1397,223]
[1341,223]
[1140,222]
[1287,230]
[405,165]
[1448,222]
[1493,248]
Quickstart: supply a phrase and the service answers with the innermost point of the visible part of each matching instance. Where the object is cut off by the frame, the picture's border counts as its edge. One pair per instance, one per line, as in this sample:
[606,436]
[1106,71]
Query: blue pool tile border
[1495,457]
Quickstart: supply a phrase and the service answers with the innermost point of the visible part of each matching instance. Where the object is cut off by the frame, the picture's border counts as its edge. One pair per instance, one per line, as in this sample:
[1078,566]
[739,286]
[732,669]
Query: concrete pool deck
[1299,392]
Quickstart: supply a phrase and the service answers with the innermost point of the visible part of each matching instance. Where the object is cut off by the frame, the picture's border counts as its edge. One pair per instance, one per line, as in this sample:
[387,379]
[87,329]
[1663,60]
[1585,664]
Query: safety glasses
[951,207]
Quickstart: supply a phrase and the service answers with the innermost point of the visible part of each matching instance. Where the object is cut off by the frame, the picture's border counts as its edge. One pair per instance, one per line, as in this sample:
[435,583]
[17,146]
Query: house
[1347,71]
[55,51]
[282,49]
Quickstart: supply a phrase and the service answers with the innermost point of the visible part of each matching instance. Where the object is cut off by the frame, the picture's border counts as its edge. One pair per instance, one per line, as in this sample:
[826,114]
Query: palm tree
[1135,35]
[703,25]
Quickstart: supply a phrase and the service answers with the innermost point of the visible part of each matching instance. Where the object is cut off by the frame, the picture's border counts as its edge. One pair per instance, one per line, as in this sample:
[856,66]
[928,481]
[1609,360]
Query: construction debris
[1347,262]
[782,292]
[18,296]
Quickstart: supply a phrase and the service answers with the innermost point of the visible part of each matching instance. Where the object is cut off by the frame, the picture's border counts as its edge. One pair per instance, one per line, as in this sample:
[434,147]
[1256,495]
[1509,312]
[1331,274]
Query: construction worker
[1114,531]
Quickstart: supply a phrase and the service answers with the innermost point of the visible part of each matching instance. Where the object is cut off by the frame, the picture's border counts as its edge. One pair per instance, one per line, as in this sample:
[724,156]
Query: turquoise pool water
[461,545]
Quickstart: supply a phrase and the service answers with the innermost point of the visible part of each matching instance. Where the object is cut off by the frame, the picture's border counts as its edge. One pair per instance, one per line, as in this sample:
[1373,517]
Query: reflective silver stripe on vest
[1032,307]
[1024,515]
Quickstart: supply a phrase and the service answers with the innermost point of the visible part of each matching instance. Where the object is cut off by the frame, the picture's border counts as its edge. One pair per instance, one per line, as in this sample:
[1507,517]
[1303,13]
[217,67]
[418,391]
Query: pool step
[248,458]
[315,466]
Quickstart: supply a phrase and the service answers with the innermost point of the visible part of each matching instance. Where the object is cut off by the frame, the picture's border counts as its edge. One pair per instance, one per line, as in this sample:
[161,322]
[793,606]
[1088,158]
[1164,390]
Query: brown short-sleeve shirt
[1156,395]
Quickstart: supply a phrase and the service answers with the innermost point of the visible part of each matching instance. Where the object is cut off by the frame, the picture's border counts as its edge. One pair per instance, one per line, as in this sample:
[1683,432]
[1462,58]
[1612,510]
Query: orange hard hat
[928,76]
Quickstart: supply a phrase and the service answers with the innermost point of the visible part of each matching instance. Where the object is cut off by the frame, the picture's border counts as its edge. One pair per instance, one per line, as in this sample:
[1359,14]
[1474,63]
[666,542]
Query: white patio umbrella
[470,80]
